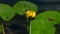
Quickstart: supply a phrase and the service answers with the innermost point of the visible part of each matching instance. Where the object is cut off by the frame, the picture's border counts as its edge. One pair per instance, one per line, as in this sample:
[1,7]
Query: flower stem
[29,26]
[3,29]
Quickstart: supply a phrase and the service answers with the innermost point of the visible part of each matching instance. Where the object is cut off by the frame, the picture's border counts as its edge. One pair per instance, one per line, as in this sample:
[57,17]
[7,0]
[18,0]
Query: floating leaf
[6,12]
[42,24]
[50,16]
[22,6]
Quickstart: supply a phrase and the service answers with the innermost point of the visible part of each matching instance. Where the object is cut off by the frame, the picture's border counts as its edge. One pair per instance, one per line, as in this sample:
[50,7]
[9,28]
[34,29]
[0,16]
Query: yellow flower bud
[30,14]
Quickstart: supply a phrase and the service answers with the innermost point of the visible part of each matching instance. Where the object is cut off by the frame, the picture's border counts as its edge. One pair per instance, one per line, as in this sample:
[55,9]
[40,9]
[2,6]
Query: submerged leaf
[6,12]
[22,6]
[42,24]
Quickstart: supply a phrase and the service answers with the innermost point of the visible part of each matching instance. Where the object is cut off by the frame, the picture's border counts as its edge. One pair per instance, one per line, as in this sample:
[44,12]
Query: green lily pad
[6,12]
[42,24]
[22,6]
[50,16]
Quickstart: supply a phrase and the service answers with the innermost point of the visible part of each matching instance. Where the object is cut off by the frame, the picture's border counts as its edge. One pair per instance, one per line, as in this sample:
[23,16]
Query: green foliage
[21,7]
[55,15]
[42,24]
[6,12]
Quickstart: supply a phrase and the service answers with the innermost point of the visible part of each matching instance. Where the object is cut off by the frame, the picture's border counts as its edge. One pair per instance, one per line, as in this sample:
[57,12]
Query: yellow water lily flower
[31,14]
